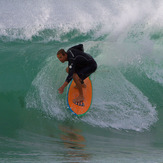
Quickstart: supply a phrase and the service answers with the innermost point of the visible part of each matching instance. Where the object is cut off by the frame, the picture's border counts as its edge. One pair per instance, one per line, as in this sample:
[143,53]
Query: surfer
[80,66]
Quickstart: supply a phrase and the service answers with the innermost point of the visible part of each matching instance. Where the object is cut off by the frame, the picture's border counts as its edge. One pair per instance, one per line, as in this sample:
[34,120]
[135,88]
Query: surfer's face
[62,57]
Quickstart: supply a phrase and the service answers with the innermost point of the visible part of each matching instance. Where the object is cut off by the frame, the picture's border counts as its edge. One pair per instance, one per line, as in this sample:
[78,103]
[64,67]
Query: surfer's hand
[61,89]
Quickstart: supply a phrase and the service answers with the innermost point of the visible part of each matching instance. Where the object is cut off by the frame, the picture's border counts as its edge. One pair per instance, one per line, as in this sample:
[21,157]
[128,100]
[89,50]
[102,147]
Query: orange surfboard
[79,108]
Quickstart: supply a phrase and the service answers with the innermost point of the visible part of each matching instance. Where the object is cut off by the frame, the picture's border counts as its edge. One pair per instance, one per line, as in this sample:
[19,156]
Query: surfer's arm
[71,70]
[61,89]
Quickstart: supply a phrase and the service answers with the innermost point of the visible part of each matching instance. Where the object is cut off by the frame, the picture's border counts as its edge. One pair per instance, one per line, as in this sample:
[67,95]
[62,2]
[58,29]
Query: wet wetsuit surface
[80,62]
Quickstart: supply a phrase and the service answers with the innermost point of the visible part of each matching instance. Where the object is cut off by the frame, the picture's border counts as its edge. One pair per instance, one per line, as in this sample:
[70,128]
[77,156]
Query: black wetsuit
[79,62]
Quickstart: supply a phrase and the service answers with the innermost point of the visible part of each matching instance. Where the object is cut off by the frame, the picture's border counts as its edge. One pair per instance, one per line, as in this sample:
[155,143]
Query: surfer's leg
[82,83]
[77,81]
[85,72]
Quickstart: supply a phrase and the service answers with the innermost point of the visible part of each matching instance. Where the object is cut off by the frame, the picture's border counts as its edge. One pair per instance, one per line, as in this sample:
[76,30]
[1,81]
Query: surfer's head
[62,55]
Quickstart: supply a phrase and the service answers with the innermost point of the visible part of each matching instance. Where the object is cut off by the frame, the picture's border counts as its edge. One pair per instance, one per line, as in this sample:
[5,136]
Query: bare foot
[83,86]
[78,99]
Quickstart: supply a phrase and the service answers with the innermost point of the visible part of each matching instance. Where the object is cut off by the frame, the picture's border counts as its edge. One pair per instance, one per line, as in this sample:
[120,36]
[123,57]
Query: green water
[125,121]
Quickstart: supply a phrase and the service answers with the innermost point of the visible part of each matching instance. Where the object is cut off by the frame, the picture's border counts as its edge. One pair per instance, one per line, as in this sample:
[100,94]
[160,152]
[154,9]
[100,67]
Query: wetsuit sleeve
[78,47]
[71,71]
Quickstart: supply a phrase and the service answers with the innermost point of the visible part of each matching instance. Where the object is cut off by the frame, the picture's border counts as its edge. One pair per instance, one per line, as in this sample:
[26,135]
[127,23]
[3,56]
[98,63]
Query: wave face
[124,37]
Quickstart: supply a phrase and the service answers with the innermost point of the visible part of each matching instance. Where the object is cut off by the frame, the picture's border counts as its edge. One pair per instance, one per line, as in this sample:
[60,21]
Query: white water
[24,19]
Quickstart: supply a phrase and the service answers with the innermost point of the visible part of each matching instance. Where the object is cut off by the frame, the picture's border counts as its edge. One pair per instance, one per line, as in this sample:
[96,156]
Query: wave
[52,20]
[117,102]
[124,37]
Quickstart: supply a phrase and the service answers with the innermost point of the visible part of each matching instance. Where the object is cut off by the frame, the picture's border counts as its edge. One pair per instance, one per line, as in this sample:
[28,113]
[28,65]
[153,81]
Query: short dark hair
[61,51]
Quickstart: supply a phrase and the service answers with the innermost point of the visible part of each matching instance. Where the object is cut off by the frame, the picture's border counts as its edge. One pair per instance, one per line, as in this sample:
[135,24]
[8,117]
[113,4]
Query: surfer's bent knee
[74,75]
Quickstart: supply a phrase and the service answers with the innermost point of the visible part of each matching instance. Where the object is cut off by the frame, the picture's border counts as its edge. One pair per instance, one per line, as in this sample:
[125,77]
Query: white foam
[114,17]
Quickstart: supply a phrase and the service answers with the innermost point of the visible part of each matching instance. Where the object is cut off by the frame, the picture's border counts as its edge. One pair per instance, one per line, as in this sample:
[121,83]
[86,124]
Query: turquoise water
[125,121]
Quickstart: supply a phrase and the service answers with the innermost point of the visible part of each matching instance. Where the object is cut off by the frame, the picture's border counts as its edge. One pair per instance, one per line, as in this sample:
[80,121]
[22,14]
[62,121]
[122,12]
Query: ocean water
[125,121]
